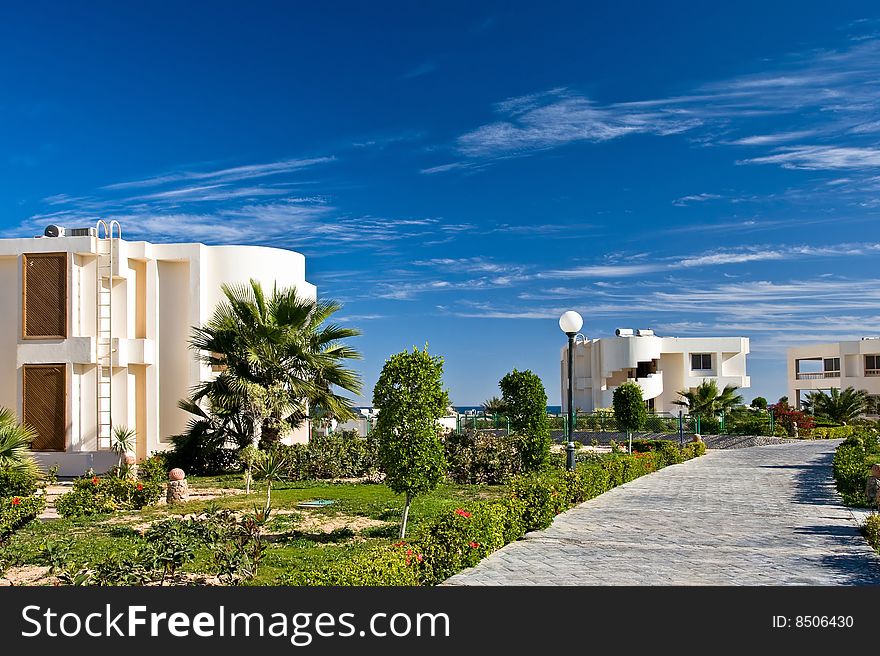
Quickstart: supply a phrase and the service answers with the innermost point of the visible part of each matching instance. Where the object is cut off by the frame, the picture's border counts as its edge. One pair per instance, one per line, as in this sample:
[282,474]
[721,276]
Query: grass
[296,544]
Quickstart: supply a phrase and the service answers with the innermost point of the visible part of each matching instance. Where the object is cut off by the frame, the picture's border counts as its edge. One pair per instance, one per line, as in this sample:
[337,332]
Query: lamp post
[570,323]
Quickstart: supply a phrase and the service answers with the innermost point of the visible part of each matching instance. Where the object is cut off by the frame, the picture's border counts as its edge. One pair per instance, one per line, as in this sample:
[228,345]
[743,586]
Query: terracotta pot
[875,471]
[176,474]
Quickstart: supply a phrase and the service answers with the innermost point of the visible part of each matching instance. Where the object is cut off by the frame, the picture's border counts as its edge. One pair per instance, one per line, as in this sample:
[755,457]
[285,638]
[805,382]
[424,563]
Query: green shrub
[852,466]
[693,450]
[155,468]
[82,503]
[474,457]
[95,496]
[525,399]
[16,511]
[17,483]
[396,565]
[667,450]
[872,530]
[842,432]
[338,455]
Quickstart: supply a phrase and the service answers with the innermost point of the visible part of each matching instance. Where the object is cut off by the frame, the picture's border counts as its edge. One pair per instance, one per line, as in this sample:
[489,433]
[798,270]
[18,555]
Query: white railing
[872,372]
[818,375]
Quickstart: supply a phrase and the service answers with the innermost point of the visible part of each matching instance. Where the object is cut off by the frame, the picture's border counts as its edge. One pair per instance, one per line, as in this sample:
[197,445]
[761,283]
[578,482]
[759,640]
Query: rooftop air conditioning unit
[53,231]
[645,333]
[82,232]
[624,332]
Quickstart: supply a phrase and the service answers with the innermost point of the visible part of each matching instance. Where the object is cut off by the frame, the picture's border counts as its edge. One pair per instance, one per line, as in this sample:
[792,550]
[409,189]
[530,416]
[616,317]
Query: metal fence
[739,422]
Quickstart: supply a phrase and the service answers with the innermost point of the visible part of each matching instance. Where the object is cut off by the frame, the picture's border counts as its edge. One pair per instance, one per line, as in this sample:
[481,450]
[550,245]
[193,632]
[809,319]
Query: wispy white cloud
[771,139]
[721,257]
[451,166]
[694,198]
[824,94]
[816,158]
[420,70]
[558,117]
[232,174]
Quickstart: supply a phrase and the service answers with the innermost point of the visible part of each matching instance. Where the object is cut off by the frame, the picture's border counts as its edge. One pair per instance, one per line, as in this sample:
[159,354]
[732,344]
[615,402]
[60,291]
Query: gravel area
[744,441]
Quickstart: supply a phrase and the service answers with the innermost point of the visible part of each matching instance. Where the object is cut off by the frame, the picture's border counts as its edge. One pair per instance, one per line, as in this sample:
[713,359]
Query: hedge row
[842,432]
[461,538]
[15,512]
[852,466]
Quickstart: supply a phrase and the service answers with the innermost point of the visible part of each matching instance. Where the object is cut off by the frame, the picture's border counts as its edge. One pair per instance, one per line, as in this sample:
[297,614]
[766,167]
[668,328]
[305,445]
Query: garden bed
[362,516]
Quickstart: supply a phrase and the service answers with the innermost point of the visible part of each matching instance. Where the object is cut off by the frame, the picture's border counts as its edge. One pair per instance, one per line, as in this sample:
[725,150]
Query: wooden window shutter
[44,304]
[44,404]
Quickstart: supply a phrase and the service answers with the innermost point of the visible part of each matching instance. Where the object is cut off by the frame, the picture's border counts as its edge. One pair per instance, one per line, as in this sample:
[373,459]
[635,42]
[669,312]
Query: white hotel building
[834,366]
[95,330]
[661,366]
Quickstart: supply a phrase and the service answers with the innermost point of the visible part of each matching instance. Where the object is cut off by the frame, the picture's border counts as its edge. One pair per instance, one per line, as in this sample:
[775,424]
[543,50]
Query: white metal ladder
[107,248]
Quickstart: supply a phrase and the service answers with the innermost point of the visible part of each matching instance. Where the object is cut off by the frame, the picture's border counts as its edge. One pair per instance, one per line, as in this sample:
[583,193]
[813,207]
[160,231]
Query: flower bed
[461,538]
[98,495]
[16,511]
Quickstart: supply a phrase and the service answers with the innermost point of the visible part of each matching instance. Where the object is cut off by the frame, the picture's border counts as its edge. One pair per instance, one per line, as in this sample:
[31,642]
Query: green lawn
[300,540]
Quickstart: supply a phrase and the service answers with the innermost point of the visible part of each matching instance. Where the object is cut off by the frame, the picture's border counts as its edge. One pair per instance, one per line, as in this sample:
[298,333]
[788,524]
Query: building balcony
[652,385]
[872,372]
[819,375]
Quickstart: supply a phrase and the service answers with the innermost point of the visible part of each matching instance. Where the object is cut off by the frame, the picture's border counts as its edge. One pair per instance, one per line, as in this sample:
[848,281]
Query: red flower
[94,480]
[474,545]
[16,501]
[409,552]
[419,557]
[400,544]
[140,486]
[463,513]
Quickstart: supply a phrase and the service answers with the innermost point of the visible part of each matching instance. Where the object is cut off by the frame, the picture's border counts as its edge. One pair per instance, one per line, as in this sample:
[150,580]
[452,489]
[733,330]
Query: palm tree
[707,401]
[123,440]
[206,433]
[494,406]
[840,406]
[276,357]
[15,442]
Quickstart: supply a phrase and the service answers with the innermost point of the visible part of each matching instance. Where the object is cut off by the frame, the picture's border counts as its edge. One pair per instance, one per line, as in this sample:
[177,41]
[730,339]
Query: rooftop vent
[865,339]
[53,231]
[624,332]
[645,333]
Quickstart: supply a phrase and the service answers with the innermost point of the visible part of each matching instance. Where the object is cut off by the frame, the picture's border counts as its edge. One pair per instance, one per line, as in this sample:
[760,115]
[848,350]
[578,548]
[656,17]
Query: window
[872,365]
[701,361]
[831,365]
[44,295]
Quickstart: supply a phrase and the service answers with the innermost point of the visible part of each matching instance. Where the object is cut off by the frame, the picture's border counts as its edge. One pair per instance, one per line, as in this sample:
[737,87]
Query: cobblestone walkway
[759,516]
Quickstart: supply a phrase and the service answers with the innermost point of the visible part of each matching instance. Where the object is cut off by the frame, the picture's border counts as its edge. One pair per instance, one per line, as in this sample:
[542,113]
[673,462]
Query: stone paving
[759,516]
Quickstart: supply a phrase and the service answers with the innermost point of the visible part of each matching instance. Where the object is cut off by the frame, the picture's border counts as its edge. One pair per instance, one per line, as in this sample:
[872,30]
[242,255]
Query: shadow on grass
[336,536]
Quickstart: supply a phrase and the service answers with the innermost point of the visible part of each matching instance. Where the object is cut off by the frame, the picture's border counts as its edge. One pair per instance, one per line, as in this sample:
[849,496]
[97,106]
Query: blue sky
[461,173]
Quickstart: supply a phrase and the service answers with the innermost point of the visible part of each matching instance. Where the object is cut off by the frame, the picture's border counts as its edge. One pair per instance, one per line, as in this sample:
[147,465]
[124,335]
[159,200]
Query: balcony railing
[818,375]
[872,372]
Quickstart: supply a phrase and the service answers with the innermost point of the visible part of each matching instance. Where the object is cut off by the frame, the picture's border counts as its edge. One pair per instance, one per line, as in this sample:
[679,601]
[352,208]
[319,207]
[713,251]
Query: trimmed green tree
[629,409]
[759,403]
[410,397]
[525,401]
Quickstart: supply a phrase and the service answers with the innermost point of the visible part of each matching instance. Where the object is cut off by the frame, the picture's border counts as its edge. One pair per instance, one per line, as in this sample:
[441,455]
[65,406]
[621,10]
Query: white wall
[174,357]
[10,301]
